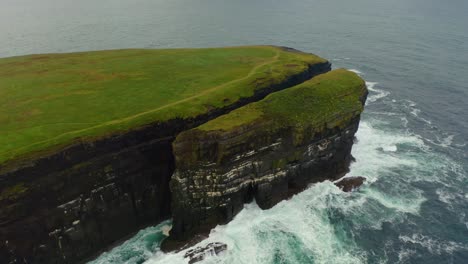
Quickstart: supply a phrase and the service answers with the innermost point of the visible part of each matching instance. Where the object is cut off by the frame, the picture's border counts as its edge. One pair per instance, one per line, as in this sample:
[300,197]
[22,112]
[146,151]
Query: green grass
[328,100]
[52,100]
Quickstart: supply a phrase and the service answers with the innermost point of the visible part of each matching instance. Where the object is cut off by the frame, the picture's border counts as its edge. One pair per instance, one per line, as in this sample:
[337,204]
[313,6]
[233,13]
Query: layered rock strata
[265,151]
[69,205]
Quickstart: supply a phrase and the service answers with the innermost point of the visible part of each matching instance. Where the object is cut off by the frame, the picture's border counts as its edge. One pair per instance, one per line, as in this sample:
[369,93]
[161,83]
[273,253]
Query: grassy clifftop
[52,100]
[326,101]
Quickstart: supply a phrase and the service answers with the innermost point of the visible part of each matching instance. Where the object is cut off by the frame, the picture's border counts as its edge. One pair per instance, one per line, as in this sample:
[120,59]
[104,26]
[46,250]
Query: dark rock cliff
[266,168]
[69,206]
[220,167]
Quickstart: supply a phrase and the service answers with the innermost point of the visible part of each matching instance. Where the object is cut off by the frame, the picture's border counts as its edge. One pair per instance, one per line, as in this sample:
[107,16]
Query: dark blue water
[412,140]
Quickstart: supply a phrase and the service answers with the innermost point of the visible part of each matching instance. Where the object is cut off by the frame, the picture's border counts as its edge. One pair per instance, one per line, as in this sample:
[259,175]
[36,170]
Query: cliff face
[265,151]
[65,215]
[67,206]
[267,168]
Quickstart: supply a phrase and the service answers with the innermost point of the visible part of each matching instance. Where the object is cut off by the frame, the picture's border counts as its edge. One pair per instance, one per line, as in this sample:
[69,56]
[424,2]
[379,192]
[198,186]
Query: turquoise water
[412,142]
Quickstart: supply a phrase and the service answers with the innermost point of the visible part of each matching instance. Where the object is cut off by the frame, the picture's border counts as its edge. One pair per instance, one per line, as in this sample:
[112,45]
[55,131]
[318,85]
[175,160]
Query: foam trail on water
[356,71]
[433,245]
[375,94]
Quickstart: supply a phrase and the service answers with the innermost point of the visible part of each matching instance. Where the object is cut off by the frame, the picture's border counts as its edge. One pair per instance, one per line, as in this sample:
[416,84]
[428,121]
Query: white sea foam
[415,112]
[452,197]
[356,71]
[393,148]
[404,121]
[298,230]
[375,94]
[434,246]
[371,160]
[165,229]
[445,141]
[404,255]
[444,196]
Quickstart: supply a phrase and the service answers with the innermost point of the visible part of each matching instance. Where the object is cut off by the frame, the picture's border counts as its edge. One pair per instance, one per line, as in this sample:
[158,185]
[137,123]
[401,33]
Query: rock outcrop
[69,205]
[349,184]
[265,151]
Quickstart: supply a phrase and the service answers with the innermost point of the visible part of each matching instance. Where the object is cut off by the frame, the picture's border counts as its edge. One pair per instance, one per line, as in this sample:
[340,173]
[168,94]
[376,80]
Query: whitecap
[446,141]
[405,254]
[371,160]
[392,148]
[166,229]
[356,71]
[414,111]
[435,246]
[375,94]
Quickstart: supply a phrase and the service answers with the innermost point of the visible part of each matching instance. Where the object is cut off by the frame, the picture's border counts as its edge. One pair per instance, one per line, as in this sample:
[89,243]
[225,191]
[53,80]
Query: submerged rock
[200,253]
[349,184]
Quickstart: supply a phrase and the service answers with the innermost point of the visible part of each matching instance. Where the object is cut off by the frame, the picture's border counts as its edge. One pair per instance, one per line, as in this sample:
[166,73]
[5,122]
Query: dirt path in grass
[252,72]
[121,120]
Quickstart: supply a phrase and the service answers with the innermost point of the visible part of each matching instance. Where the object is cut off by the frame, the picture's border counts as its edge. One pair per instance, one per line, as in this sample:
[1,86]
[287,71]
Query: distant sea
[412,142]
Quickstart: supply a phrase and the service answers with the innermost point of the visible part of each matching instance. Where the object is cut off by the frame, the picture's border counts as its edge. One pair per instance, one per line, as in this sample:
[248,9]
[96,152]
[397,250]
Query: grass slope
[327,100]
[51,100]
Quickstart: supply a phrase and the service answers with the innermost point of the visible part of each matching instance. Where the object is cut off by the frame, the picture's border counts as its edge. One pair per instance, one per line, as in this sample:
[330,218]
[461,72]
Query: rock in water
[200,253]
[350,183]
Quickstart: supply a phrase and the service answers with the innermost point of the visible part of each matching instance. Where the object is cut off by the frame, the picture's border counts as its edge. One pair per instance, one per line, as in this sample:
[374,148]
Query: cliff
[86,138]
[265,151]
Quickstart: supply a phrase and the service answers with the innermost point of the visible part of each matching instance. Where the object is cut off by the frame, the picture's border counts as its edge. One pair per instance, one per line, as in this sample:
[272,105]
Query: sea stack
[265,151]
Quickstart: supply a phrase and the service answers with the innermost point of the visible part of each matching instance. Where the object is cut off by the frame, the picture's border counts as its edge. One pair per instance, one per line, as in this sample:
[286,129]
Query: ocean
[411,144]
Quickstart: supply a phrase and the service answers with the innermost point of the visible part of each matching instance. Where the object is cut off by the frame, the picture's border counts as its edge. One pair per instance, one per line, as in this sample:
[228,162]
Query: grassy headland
[326,101]
[52,100]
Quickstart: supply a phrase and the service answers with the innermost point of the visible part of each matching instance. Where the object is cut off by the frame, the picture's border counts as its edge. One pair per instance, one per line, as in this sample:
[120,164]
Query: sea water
[411,144]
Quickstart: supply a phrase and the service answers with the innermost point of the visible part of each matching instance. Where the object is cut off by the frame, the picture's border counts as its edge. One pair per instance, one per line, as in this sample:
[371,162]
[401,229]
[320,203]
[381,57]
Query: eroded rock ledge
[69,205]
[265,151]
